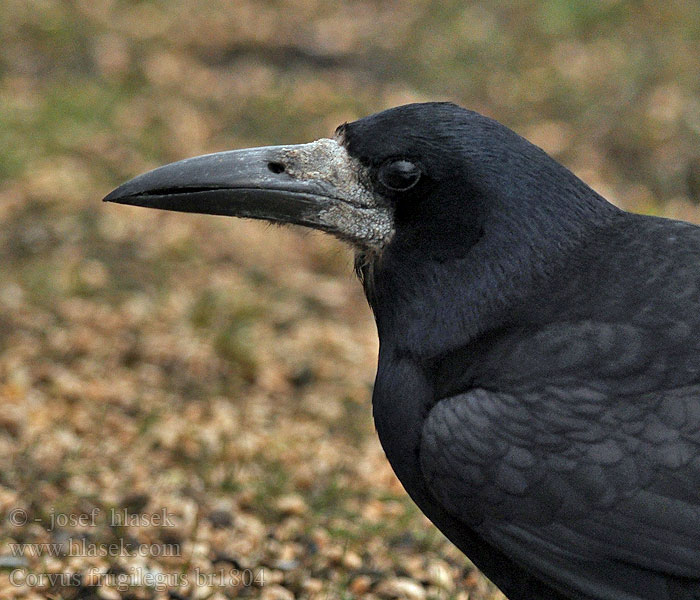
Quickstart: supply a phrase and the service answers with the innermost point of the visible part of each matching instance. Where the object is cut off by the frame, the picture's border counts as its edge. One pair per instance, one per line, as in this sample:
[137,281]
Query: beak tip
[118,196]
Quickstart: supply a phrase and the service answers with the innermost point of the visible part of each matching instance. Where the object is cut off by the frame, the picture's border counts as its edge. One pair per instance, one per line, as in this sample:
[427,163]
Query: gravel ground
[187,398]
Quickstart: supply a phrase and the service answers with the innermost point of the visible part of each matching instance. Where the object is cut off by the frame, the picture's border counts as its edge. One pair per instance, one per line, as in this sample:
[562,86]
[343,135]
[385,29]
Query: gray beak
[316,185]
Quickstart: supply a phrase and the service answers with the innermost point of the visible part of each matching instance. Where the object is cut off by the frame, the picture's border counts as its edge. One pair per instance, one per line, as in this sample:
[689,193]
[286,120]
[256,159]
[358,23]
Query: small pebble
[439,575]
[401,587]
[312,585]
[292,504]
[220,519]
[360,585]
[276,592]
[13,562]
[352,560]
[287,565]
[107,593]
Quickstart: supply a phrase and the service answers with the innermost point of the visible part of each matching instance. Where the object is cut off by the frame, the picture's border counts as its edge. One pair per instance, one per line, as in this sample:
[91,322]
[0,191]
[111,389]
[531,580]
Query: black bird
[538,387]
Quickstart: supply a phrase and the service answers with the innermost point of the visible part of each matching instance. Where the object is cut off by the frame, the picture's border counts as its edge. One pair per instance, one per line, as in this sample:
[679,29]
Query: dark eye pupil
[399,175]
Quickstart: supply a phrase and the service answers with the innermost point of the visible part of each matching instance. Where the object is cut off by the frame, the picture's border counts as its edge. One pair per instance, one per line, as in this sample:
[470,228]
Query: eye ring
[399,175]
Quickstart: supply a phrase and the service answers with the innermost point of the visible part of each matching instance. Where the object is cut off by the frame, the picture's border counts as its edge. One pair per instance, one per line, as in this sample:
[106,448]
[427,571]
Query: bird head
[399,171]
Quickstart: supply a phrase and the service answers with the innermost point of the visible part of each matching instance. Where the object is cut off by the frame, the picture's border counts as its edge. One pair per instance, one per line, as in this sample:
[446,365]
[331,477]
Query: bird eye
[399,175]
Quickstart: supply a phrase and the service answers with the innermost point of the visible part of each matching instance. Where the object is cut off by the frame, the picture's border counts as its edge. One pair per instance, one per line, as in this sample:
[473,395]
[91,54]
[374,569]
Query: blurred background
[185,399]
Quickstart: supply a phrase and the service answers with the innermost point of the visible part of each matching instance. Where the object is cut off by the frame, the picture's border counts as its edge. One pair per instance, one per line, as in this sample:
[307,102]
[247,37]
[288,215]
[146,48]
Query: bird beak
[316,185]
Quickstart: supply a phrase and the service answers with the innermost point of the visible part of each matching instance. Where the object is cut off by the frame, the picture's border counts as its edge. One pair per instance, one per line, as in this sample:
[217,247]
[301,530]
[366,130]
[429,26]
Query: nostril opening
[276,167]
